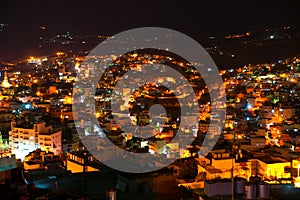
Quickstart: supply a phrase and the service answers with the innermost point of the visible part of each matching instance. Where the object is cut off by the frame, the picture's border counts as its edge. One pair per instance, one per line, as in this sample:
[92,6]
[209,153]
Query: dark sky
[198,19]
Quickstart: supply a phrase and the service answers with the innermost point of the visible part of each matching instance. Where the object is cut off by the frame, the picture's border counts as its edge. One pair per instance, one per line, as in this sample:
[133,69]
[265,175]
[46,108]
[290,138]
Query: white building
[24,139]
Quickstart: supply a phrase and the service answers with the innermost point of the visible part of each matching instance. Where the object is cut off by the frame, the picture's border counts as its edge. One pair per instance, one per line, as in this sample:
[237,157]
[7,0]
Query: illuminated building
[39,159]
[261,132]
[270,168]
[184,153]
[247,34]
[296,165]
[44,105]
[78,162]
[5,83]
[24,139]
[33,60]
[52,90]
[157,146]
[222,165]
[258,141]
[229,122]
[273,137]
[283,112]
[211,125]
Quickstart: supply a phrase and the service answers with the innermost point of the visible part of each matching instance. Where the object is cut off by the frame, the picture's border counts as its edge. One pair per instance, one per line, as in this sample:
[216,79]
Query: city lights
[81,121]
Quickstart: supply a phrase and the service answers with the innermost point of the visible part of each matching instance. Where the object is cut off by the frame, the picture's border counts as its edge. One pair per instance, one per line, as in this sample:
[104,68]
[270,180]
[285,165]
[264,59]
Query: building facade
[24,139]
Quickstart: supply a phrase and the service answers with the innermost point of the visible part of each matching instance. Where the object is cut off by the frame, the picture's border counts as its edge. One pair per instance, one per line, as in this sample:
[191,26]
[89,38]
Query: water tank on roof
[239,186]
[250,191]
[263,190]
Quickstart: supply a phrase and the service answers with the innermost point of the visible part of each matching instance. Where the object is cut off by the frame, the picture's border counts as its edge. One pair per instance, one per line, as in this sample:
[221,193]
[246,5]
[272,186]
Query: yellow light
[60,53]
[68,100]
[185,154]
[38,93]
[293,80]
[283,75]
[297,183]
[98,114]
[77,64]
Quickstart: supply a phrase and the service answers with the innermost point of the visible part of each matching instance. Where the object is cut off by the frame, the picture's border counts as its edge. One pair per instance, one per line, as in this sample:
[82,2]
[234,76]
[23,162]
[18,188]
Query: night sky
[198,19]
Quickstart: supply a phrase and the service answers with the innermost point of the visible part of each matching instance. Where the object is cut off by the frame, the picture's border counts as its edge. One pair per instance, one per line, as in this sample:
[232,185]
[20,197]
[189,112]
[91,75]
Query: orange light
[68,100]
[60,53]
